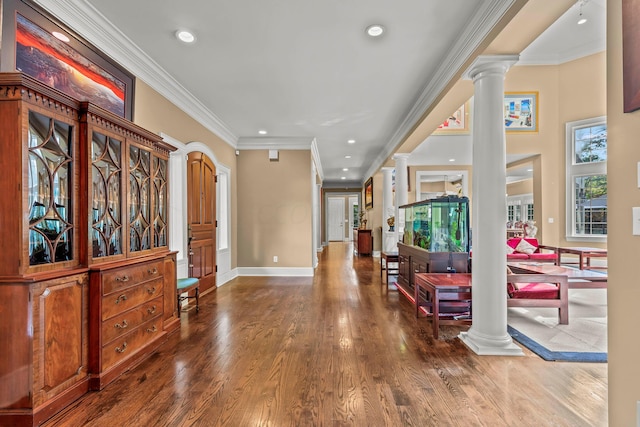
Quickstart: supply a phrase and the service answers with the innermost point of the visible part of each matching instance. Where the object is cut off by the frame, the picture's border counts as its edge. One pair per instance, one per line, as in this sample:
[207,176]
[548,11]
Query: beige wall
[520,187]
[155,113]
[623,293]
[572,91]
[274,209]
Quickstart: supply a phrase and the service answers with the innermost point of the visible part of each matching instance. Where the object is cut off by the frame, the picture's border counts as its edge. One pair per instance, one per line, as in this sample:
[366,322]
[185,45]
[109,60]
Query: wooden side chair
[187,285]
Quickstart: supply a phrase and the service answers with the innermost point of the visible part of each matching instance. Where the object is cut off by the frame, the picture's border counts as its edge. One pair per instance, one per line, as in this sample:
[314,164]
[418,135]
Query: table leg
[435,300]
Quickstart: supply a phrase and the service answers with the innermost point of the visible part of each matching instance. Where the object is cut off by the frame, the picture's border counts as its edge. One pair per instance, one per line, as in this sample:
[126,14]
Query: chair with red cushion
[539,290]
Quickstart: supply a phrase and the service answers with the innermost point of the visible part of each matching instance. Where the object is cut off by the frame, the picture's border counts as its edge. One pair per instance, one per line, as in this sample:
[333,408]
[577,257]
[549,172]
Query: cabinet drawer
[122,278]
[126,299]
[126,345]
[122,323]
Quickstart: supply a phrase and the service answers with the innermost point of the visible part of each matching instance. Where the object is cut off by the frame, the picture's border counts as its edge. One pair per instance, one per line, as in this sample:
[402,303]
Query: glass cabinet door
[160,202]
[106,201]
[139,199]
[50,184]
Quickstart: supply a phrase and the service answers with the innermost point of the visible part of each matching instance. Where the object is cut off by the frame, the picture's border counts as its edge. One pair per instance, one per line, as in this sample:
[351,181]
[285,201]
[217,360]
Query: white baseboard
[276,271]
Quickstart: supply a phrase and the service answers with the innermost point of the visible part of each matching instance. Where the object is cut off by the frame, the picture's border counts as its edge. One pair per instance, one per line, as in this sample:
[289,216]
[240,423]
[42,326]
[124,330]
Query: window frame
[575,170]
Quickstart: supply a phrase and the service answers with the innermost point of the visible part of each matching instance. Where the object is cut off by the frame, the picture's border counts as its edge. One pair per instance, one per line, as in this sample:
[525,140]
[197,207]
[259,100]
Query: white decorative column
[488,333]
[402,190]
[389,239]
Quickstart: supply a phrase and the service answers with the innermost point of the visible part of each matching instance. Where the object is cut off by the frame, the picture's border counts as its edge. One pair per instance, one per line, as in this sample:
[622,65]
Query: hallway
[338,349]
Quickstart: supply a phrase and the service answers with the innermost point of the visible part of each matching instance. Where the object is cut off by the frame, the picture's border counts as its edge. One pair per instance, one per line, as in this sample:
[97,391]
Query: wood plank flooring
[338,349]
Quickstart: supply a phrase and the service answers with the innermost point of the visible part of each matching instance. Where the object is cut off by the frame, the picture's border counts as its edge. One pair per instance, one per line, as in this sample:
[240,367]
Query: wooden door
[201,217]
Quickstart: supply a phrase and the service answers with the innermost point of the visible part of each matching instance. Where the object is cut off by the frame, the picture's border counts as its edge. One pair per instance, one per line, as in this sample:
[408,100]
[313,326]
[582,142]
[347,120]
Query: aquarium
[437,225]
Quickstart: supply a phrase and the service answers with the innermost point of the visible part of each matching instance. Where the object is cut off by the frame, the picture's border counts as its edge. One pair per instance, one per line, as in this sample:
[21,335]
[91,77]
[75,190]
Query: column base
[490,346]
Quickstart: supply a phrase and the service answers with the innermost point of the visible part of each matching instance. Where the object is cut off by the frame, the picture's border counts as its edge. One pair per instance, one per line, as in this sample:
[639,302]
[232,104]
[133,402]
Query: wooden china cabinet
[86,274]
[130,266]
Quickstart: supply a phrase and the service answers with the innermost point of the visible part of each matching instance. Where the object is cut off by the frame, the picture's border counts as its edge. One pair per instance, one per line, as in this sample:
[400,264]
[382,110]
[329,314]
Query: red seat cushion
[517,255]
[533,290]
[548,256]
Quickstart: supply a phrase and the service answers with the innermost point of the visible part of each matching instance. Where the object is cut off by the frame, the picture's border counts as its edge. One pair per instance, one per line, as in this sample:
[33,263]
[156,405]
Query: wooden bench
[187,285]
[540,290]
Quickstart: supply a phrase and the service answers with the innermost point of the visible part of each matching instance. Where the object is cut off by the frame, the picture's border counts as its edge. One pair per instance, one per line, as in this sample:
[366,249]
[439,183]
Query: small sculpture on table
[391,222]
[363,220]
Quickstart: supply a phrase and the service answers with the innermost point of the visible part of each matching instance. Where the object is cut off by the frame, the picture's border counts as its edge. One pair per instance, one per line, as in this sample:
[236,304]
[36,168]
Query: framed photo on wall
[521,112]
[35,44]
[368,194]
[457,123]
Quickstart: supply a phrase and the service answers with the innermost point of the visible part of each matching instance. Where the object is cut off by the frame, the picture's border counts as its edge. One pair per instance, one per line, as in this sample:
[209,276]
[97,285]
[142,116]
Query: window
[223,208]
[586,208]
[519,208]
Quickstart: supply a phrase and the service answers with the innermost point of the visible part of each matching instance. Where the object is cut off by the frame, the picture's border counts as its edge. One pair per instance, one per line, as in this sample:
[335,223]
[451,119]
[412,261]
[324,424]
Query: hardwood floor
[338,349]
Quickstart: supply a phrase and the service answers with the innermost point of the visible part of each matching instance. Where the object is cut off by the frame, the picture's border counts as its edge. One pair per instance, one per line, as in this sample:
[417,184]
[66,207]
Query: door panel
[201,187]
[336,219]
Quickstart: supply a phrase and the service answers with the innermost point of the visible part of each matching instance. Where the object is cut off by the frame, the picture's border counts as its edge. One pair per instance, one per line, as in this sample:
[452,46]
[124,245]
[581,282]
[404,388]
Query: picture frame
[65,61]
[368,194]
[630,56]
[457,123]
[521,112]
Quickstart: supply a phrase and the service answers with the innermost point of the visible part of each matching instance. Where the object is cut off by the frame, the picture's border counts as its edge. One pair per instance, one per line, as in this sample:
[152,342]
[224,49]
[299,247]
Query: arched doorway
[201,219]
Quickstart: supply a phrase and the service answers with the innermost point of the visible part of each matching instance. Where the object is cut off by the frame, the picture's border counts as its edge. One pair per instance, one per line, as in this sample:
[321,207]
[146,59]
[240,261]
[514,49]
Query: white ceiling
[303,70]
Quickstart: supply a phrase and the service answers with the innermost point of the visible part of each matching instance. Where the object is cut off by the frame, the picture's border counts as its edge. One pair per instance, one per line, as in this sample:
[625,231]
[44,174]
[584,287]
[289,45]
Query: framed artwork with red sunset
[35,44]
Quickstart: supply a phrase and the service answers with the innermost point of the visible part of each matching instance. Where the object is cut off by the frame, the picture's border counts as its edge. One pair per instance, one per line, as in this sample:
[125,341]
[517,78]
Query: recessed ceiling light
[529,170]
[185,36]
[343,177]
[347,157]
[60,36]
[351,141]
[345,169]
[375,30]
[452,160]
[582,20]
[262,132]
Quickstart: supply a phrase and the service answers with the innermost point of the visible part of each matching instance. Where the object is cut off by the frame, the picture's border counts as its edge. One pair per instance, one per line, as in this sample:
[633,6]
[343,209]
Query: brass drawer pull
[151,291]
[121,349]
[152,329]
[151,310]
[122,297]
[152,271]
[122,325]
[122,279]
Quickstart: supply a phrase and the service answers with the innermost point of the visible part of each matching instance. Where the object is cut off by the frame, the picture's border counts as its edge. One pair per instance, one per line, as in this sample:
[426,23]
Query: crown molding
[489,14]
[275,143]
[85,20]
[316,159]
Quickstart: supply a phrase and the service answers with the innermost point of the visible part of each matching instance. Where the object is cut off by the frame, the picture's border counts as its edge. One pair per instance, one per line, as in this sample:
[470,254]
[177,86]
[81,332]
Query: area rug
[584,339]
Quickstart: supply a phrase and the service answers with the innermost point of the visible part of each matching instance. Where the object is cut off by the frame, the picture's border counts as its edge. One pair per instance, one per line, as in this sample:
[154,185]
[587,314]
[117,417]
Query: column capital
[490,63]
[387,169]
[401,157]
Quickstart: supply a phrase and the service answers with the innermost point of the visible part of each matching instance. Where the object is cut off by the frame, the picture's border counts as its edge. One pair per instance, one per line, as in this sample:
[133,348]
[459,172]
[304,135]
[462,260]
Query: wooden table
[578,279]
[389,257]
[442,288]
[584,254]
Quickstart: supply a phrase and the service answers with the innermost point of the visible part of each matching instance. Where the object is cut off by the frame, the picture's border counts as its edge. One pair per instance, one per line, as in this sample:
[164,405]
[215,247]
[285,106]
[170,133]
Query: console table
[362,241]
[444,294]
